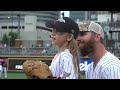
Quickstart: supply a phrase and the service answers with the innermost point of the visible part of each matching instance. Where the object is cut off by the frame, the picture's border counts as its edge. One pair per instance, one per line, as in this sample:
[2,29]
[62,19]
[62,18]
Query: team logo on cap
[72,31]
[61,20]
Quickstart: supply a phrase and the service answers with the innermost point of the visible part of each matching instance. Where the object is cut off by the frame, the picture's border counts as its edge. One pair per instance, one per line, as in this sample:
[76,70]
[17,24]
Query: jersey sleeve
[66,63]
[67,66]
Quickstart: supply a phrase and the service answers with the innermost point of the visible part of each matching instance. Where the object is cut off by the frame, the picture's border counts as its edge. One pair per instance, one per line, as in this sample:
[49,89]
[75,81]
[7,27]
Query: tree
[13,36]
[4,39]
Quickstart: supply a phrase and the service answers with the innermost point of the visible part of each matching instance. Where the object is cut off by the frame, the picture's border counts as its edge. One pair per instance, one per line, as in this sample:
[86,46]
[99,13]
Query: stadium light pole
[63,14]
[9,38]
[18,26]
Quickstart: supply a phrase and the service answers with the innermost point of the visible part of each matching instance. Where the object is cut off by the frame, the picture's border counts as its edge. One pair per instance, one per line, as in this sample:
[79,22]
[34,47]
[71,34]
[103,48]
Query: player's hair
[72,46]
[76,59]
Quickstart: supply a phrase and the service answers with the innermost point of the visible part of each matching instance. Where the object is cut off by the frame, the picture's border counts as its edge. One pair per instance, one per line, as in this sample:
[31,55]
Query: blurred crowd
[28,51]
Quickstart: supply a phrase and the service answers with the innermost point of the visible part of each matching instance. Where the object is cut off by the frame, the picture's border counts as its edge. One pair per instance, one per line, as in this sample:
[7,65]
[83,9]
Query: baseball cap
[91,26]
[64,24]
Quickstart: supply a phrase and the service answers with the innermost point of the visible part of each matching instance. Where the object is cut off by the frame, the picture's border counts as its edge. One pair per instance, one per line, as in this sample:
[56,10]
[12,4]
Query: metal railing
[27,51]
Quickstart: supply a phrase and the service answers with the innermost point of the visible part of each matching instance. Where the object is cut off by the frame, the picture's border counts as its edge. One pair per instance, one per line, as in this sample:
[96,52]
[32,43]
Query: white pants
[1,71]
[0,67]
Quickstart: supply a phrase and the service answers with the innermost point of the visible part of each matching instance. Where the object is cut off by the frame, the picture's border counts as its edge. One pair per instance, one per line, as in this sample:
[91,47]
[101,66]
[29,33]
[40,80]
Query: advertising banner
[16,64]
[84,62]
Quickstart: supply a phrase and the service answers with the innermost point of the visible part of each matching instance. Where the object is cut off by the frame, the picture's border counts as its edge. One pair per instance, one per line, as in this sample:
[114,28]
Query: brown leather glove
[36,70]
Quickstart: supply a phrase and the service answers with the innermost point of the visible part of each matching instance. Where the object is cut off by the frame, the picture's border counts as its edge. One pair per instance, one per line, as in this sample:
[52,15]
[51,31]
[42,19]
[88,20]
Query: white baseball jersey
[62,64]
[107,68]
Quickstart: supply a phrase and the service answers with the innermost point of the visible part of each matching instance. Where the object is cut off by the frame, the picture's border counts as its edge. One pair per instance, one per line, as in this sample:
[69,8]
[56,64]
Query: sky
[66,13]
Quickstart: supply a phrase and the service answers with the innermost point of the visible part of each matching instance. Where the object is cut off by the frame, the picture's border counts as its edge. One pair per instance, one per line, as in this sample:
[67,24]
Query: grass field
[83,76]
[15,75]
[19,75]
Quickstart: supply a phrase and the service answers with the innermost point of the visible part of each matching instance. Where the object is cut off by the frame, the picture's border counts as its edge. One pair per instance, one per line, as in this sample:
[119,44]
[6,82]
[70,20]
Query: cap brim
[50,24]
[55,25]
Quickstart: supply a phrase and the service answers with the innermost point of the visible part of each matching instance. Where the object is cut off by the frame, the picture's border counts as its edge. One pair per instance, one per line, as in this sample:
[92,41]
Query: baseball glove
[36,70]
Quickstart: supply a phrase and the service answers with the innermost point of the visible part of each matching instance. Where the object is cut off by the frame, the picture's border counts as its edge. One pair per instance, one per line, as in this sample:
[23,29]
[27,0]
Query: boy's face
[59,38]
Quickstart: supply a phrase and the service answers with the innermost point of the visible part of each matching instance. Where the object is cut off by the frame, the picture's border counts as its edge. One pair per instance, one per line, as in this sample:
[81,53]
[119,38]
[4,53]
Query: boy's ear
[70,37]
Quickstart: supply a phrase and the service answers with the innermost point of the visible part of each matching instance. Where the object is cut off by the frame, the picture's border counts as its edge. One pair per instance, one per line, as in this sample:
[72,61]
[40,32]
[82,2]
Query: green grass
[83,76]
[20,75]
[15,75]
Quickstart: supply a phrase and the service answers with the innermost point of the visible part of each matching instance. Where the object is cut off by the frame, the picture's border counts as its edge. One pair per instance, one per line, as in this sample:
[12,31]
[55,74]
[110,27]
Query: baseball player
[1,60]
[65,64]
[90,41]
[3,67]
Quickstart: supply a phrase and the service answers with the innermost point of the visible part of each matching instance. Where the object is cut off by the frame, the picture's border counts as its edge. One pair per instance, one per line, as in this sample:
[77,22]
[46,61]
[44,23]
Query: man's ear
[70,37]
[97,37]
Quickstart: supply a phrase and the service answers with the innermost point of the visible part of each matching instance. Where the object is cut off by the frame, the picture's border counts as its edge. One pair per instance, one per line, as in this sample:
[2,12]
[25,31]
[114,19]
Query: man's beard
[87,48]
